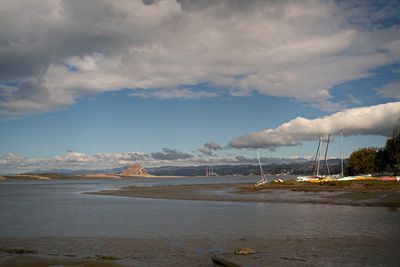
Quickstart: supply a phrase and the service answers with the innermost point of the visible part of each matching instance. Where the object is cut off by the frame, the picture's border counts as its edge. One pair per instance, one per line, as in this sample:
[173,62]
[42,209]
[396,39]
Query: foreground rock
[222,262]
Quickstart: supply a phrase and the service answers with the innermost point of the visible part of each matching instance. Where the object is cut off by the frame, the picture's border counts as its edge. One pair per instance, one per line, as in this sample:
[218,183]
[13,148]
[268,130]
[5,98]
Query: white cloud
[373,120]
[71,160]
[79,161]
[58,51]
[390,90]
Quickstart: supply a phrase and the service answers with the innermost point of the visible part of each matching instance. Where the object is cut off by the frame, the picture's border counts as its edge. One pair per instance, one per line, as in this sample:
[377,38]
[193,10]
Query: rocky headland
[135,170]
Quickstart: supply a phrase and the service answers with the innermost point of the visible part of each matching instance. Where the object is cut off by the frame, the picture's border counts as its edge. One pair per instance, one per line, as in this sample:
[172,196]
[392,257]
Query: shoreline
[35,177]
[294,194]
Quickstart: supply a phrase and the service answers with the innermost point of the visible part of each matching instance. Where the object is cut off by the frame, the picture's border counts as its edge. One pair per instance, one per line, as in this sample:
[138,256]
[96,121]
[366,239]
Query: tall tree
[361,161]
[392,151]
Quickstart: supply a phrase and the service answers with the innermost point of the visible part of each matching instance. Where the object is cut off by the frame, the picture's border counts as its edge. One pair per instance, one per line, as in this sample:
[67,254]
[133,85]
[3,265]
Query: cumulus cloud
[373,120]
[71,160]
[76,160]
[170,154]
[390,90]
[53,52]
[209,148]
[80,161]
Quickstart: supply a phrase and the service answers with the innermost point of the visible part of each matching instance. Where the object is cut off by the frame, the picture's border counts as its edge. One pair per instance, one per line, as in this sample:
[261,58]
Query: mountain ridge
[300,168]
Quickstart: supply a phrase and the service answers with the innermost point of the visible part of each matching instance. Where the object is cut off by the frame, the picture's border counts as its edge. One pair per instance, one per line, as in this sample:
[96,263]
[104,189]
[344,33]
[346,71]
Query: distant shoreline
[55,176]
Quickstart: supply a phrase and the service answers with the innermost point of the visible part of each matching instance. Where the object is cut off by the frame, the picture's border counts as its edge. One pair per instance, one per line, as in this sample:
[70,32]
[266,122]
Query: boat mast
[261,169]
[315,172]
[319,156]
[341,150]
[326,154]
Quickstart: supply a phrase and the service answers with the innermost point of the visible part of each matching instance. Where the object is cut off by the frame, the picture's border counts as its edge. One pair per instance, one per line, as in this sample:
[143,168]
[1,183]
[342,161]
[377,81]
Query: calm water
[58,208]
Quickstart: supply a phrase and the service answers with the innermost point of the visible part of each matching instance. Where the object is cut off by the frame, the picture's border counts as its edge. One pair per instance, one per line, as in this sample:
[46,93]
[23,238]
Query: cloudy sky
[99,83]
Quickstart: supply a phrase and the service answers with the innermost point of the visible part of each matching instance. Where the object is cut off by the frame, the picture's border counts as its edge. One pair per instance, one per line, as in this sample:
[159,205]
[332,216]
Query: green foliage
[381,160]
[364,160]
[388,158]
[370,160]
[392,152]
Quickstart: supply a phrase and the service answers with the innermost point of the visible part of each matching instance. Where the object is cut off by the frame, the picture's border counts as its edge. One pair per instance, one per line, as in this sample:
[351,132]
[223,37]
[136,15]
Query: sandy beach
[278,193]
[287,251]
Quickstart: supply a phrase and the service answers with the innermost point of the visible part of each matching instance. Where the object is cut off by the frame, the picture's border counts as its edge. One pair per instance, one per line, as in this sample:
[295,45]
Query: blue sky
[116,122]
[166,76]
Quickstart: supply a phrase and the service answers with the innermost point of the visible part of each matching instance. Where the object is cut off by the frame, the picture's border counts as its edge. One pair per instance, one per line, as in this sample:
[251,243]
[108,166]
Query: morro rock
[135,170]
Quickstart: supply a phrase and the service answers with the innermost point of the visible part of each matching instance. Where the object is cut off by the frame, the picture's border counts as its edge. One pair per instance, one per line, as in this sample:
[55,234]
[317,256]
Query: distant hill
[298,168]
[304,168]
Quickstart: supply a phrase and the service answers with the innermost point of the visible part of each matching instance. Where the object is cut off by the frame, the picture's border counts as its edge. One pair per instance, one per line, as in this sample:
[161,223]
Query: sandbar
[284,193]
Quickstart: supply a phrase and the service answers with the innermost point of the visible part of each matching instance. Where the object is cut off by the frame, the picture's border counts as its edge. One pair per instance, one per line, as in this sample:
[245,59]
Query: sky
[100,84]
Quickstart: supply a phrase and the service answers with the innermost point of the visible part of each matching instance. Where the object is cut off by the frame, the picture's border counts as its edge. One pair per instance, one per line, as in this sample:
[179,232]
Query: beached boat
[316,178]
[210,169]
[263,180]
[305,178]
[347,178]
[391,178]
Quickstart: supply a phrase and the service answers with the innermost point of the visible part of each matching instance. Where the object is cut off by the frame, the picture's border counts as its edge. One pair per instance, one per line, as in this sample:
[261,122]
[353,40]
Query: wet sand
[298,193]
[285,251]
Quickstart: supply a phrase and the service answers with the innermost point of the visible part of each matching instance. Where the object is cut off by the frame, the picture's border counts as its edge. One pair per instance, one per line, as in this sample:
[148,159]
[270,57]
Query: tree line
[384,160]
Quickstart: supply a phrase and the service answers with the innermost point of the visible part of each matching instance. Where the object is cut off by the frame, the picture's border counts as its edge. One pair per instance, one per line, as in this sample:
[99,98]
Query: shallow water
[58,208]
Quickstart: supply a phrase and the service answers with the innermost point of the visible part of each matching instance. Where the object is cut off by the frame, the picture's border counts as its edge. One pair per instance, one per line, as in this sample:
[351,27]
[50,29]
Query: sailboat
[263,180]
[342,177]
[338,177]
[317,165]
[210,169]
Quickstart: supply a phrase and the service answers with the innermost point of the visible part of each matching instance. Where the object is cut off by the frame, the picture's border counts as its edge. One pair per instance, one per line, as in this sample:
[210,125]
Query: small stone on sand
[244,251]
